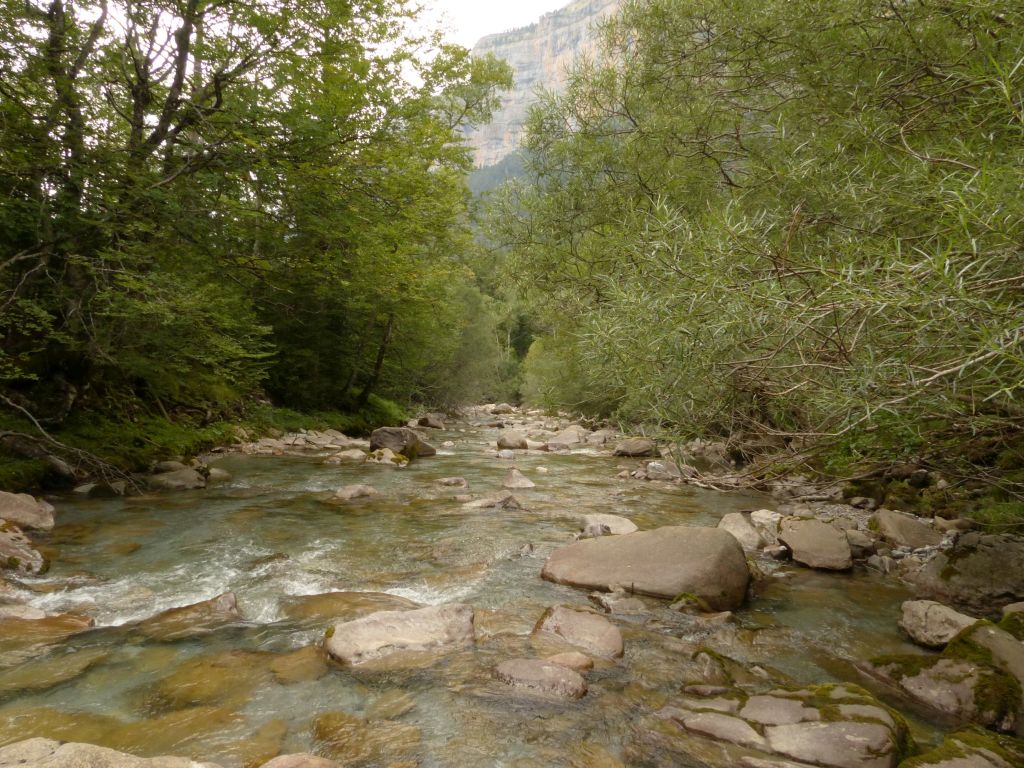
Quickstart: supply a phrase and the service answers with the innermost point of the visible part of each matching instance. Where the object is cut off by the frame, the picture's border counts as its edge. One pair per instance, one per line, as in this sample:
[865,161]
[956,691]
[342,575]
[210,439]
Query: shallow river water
[271,535]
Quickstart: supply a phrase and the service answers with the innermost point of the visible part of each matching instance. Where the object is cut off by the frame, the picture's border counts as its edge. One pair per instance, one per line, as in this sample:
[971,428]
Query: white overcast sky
[469,20]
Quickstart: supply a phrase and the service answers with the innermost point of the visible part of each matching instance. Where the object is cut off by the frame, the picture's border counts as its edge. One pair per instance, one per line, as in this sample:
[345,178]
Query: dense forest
[206,205]
[792,223]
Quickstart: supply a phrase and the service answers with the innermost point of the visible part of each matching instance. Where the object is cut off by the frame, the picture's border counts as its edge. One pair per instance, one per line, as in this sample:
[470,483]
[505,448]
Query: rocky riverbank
[655,614]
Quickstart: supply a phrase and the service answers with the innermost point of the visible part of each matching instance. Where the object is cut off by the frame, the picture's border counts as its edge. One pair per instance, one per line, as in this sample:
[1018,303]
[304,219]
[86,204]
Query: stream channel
[271,536]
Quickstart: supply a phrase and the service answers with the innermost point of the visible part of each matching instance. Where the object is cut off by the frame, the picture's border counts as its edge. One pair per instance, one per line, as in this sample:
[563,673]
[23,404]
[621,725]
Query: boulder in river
[977,678]
[191,621]
[502,500]
[980,573]
[739,525]
[431,421]
[403,440]
[816,544]
[512,441]
[300,761]
[16,551]
[502,409]
[47,753]
[636,447]
[388,632]
[932,624]
[459,483]
[583,629]
[26,512]
[351,456]
[517,480]
[570,437]
[574,660]
[903,530]
[666,562]
[542,677]
[179,480]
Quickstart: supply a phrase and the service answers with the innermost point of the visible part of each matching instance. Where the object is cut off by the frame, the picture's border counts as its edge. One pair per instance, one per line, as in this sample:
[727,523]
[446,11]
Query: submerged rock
[588,631]
[666,562]
[300,761]
[26,512]
[344,606]
[816,544]
[503,500]
[191,620]
[389,632]
[355,741]
[352,492]
[543,677]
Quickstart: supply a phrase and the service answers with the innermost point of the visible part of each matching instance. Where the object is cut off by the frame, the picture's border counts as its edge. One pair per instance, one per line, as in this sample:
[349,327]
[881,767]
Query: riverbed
[273,534]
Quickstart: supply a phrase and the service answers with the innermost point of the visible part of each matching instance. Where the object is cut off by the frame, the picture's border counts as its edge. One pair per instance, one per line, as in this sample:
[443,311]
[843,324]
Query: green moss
[901,495]
[21,474]
[904,665]
[329,633]
[1004,515]
[1014,624]
[12,563]
[687,600]
[997,694]
[962,744]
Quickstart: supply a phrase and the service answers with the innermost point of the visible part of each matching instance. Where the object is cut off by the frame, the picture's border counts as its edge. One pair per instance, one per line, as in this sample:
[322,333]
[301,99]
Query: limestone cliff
[540,54]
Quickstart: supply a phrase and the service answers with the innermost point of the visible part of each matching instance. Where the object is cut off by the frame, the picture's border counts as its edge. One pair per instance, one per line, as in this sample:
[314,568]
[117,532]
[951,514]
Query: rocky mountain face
[540,54]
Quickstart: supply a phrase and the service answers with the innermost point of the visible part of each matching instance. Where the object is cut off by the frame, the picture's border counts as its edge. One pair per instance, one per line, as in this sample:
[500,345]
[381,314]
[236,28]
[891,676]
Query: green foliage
[780,217]
[206,201]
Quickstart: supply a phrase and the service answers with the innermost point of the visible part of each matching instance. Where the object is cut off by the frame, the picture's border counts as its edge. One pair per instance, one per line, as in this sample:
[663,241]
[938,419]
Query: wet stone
[543,677]
[588,631]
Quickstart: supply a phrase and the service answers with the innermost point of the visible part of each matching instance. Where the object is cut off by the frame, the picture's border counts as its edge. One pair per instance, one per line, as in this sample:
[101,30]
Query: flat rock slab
[544,677]
[588,631]
[665,562]
[26,512]
[46,753]
[180,480]
[847,744]
[816,544]
[300,761]
[905,531]
[932,624]
[388,632]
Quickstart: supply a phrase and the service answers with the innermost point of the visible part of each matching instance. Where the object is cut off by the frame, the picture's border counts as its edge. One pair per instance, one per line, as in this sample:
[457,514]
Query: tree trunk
[364,396]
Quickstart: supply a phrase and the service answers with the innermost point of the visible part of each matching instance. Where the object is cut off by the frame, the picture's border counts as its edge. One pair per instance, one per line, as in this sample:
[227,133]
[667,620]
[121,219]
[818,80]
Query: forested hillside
[203,204]
[793,223]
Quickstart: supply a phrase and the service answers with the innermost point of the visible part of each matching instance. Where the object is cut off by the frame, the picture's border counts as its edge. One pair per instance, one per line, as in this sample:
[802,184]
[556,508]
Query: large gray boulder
[816,544]
[543,677]
[47,753]
[383,634]
[587,631]
[16,551]
[401,440]
[932,624]
[26,512]
[980,573]
[666,562]
[902,530]
[569,437]
[636,447]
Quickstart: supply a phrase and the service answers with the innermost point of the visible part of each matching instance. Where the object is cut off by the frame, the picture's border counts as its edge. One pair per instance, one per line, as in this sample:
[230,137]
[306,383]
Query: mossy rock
[974,745]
